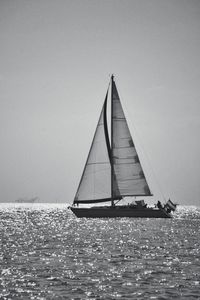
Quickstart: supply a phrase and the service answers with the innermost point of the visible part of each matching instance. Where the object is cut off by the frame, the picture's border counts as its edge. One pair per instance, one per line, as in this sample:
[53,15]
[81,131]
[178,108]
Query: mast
[111,160]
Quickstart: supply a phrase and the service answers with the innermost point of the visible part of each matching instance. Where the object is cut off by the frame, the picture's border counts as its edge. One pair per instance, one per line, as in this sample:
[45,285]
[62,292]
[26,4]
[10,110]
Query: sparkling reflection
[47,253]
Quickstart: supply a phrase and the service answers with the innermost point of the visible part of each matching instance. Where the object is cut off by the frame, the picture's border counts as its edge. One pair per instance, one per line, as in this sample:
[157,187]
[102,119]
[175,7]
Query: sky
[56,58]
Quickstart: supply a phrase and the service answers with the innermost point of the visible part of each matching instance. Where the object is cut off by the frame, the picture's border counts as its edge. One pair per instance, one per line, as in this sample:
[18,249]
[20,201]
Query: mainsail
[128,172]
[112,171]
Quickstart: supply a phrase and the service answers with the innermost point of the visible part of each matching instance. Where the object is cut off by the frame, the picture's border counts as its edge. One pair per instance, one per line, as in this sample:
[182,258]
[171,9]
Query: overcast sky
[56,58]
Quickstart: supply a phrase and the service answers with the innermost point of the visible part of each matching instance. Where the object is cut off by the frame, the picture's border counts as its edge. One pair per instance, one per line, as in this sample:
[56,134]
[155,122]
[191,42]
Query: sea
[48,253]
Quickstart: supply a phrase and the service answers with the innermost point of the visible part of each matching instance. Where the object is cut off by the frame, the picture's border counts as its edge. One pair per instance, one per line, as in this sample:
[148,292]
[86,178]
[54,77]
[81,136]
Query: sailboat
[113,171]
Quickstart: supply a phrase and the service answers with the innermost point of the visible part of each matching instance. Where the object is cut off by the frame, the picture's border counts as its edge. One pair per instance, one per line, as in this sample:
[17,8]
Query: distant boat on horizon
[113,171]
[26,200]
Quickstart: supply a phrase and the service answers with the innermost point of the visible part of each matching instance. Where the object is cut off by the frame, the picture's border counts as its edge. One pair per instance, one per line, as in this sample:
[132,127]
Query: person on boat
[159,205]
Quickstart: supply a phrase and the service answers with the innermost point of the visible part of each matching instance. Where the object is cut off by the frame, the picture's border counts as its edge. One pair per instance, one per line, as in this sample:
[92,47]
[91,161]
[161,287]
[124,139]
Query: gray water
[47,253]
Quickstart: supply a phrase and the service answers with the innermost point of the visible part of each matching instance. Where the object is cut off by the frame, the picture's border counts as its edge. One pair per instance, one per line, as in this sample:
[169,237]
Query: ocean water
[47,253]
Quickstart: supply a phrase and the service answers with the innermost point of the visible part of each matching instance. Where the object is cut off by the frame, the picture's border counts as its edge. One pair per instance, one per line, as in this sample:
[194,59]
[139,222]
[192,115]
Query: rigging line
[141,145]
[118,201]
[150,165]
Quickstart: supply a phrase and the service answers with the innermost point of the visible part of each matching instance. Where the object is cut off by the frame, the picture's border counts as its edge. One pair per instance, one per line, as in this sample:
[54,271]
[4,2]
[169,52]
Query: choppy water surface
[47,253]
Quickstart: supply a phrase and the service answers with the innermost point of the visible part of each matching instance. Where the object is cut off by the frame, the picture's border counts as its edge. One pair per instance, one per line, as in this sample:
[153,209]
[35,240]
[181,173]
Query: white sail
[128,175]
[95,184]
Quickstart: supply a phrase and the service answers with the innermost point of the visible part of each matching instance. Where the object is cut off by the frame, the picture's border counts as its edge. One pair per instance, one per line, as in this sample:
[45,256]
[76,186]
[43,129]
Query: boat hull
[119,212]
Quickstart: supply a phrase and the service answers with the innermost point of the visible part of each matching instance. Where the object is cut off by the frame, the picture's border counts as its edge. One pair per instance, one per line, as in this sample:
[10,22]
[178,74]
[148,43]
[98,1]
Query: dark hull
[119,212]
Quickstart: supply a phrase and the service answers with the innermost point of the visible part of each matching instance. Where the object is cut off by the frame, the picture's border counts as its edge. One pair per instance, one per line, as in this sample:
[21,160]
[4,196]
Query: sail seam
[118,164]
[98,163]
[130,179]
